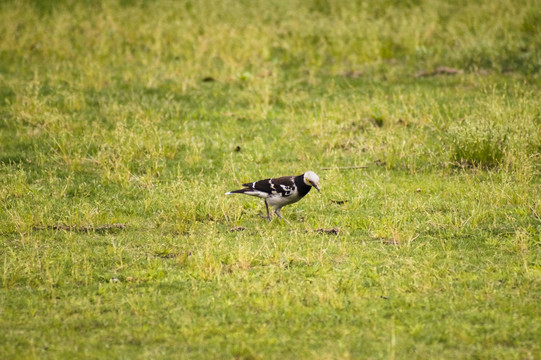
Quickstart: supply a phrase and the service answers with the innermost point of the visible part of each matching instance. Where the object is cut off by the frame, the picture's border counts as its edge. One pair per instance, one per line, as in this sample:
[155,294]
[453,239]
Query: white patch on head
[311,178]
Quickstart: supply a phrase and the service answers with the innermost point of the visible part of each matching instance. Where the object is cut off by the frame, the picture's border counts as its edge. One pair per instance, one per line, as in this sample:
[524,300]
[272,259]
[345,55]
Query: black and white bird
[282,191]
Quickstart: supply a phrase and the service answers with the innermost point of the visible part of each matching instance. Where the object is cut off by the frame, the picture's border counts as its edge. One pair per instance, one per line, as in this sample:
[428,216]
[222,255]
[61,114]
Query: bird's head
[311,179]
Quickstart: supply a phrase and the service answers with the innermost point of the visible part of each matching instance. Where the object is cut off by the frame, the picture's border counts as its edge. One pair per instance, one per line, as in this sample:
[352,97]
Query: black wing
[283,185]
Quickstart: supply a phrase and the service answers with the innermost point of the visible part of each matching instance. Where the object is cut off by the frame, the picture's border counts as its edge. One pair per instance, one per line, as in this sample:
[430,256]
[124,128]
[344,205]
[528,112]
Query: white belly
[276,201]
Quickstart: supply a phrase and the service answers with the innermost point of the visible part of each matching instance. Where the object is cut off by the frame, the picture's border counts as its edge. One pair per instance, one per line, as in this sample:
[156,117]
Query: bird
[281,191]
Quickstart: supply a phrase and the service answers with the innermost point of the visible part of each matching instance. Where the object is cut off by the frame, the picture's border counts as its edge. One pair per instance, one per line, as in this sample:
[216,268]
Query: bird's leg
[277,212]
[267,206]
[268,214]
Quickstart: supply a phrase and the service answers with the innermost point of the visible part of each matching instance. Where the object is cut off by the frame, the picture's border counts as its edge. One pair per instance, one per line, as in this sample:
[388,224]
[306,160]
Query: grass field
[123,123]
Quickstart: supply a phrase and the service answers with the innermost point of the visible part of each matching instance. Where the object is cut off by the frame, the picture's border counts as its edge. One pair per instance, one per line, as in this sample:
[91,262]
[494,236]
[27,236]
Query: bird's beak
[317,188]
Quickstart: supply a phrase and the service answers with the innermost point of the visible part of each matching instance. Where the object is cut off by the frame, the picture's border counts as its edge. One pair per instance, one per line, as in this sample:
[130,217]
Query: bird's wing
[283,185]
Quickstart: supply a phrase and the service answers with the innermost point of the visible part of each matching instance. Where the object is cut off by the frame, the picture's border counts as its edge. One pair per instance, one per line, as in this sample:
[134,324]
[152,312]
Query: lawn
[123,124]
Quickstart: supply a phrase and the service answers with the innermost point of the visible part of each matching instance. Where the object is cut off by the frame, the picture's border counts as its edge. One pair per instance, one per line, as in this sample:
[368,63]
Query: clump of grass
[497,131]
[478,144]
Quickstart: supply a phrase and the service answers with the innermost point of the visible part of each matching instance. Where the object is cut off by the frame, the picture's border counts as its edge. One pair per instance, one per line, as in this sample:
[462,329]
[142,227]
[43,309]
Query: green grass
[105,119]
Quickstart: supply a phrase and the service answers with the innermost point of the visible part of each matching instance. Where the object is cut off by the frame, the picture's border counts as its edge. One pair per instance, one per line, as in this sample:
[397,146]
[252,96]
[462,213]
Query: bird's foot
[281,217]
[286,220]
[265,217]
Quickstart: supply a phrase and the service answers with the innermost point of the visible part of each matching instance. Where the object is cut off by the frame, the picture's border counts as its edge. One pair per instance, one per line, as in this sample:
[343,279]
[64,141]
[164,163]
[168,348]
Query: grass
[105,119]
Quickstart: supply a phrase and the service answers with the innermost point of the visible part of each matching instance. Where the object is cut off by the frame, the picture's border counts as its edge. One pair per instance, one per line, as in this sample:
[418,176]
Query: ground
[123,124]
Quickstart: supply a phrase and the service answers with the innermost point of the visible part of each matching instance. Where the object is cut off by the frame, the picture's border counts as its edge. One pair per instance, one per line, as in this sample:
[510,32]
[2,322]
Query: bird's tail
[241,191]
